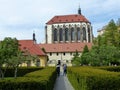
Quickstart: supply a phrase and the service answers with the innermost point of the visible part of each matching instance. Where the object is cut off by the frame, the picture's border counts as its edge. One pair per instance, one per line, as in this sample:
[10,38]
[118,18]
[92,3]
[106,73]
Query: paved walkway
[62,83]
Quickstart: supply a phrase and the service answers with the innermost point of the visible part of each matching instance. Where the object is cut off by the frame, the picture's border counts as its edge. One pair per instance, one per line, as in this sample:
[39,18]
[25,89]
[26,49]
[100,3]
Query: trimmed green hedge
[38,80]
[111,68]
[21,71]
[91,78]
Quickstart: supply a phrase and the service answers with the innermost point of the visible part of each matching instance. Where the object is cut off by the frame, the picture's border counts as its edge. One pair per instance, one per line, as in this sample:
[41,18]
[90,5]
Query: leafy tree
[118,22]
[15,61]
[102,55]
[111,33]
[85,50]
[106,49]
[84,60]
[8,49]
[76,59]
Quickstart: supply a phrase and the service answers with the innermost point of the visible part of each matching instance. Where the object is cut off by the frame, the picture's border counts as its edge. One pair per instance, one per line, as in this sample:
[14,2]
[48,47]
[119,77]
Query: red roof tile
[32,48]
[67,19]
[65,47]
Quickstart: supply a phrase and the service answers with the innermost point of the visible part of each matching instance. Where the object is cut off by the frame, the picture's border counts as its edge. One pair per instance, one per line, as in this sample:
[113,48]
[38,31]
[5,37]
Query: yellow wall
[43,62]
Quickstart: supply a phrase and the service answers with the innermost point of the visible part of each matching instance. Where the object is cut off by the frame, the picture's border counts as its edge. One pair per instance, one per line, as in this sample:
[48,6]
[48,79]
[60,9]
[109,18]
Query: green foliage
[110,33]
[85,50]
[21,71]
[112,69]
[38,80]
[110,37]
[12,56]
[76,59]
[8,49]
[103,55]
[92,78]
[85,59]
[84,56]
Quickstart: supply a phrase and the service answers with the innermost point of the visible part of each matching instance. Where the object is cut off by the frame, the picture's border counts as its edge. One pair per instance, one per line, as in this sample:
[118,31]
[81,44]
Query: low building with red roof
[63,51]
[29,47]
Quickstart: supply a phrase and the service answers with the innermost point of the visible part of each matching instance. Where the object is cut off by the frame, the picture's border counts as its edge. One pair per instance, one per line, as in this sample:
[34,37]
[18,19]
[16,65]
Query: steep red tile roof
[67,19]
[65,47]
[32,48]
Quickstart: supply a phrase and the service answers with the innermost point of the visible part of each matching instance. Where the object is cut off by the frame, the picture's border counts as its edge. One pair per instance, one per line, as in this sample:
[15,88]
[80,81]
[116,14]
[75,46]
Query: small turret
[34,39]
[79,10]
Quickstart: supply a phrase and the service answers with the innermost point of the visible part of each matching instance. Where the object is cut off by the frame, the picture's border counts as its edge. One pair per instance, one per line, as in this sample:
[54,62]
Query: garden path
[62,82]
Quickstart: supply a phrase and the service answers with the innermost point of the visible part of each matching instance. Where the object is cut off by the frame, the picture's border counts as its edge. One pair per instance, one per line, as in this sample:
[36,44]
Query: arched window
[61,34]
[84,33]
[66,34]
[55,34]
[78,34]
[72,34]
[89,34]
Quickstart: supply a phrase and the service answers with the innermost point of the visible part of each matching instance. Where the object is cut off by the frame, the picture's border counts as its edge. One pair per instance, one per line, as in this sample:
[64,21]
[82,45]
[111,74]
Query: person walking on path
[62,83]
[58,69]
[64,69]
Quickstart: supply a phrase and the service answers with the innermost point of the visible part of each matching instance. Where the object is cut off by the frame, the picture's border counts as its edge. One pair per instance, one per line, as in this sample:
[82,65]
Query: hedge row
[38,80]
[89,78]
[21,71]
[111,68]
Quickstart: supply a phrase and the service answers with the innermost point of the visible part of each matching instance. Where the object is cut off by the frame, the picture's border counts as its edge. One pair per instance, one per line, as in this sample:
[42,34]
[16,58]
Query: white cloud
[18,18]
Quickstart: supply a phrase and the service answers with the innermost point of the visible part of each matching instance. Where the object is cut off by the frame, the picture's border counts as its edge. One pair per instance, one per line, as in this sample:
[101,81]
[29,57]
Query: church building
[66,34]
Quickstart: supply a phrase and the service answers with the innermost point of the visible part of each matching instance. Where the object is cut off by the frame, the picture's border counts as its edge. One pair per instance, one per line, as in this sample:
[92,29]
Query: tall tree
[76,59]
[16,60]
[85,50]
[110,33]
[8,49]
[84,56]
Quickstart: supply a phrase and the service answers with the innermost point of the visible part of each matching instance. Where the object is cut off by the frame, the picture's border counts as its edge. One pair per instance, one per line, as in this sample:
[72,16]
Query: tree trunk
[15,73]
[2,75]
[1,72]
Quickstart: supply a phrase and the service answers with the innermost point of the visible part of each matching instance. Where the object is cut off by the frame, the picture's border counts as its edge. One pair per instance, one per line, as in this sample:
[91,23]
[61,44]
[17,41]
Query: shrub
[21,71]
[38,80]
[91,78]
[111,68]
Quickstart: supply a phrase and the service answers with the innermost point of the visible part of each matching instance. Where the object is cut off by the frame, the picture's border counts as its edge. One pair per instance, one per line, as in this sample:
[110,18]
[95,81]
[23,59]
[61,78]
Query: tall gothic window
[78,34]
[72,34]
[88,34]
[61,34]
[66,34]
[55,34]
[84,33]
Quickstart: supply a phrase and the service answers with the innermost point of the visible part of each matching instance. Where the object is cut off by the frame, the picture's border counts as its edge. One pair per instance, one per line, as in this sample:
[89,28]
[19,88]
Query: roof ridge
[68,19]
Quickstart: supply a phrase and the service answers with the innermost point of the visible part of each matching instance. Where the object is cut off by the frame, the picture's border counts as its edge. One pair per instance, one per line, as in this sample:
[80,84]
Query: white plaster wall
[49,28]
[61,56]
[49,33]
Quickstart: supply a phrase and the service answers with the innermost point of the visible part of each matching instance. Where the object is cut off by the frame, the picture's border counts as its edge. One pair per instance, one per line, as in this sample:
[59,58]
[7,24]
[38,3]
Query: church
[64,35]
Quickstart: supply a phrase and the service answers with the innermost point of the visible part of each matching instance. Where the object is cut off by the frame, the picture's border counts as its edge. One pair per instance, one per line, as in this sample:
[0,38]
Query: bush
[38,80]
[21,71]
[111,68]
[91,78]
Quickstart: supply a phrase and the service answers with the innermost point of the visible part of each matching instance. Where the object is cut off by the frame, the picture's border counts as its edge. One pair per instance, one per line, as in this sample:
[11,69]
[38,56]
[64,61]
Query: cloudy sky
[19,18]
